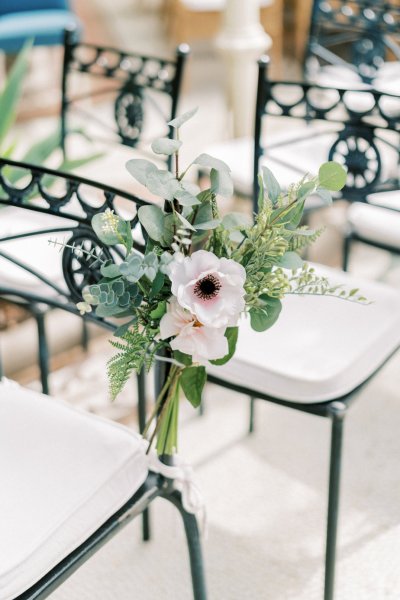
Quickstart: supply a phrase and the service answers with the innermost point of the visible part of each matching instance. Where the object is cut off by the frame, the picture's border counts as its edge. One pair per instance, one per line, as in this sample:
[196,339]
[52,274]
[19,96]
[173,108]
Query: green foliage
[332,176]
[231,335]
[192,382]
[263,316]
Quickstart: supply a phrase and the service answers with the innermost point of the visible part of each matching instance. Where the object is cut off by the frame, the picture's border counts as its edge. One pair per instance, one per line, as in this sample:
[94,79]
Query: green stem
[159,399]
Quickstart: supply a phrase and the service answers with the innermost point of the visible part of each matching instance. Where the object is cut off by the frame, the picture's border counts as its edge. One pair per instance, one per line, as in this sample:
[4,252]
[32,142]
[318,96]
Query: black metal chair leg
[142,412]
[194,546]
[346,251]
[337,411]
[43,350]
[85,336]
[252,408]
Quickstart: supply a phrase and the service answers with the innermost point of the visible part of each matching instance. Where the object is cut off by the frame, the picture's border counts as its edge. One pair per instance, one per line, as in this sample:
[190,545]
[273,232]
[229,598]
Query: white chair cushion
[385,199]
[63,473]
[213,5]
[320,348]
[375,224]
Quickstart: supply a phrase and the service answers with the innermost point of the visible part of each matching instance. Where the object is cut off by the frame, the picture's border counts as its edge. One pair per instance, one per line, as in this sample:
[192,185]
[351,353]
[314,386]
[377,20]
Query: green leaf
[11,91]
[185,359]
[140,169]
[160,310]
[162,183]
[306,189]
[107,237]
[260,199]
[213,224]
[110,271]
[263,317]
[185,222]
[221,183]
[290,260]
[152,219]
[325,195]
[157,284]
[236,220]
[205,160]
[192,382]
[168,232]
[105,310]
[332,176]
[165,146]
[41,150]
[271,185]
[122,329]
[179,121]
[231,335]
[185,198]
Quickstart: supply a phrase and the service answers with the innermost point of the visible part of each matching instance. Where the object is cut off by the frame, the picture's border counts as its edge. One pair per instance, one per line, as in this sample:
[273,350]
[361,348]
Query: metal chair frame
[356,136]
[130,75]
[357,34]
[155,486]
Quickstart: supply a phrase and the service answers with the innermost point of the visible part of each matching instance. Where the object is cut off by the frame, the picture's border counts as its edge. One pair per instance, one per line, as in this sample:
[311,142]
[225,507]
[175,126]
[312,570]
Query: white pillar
[241,42]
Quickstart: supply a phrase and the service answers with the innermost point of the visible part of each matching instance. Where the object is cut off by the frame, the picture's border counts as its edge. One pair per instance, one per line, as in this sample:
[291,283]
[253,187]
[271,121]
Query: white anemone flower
[192,337]
[211,288]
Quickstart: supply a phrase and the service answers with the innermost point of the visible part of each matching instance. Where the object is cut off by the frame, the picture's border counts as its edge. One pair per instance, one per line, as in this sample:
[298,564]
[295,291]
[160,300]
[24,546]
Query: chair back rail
[39,207]
[362,124]
[359,34]
[136,84]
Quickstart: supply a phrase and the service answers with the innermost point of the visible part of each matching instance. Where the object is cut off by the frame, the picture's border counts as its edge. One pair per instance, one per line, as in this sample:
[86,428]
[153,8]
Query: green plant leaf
[306,189]
[271,185]
[157,284]
[185,359]
[192,382]
[221,183]
[11,91]
[205,160]
[140,169]
[159,311]
[263,317]
[107,237]
[185,198]
[213,224]
[234,220]
[162,183]
[290,260]
[122,329]
[165,146]
[325,195]
[110,271]
[152,219]
[168,232]
[179,121]
[332,176]
[231,335]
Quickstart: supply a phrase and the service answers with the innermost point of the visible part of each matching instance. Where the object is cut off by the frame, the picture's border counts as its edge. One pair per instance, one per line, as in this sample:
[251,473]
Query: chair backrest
[359,34]
[144,91]
[42,205]
[361,129]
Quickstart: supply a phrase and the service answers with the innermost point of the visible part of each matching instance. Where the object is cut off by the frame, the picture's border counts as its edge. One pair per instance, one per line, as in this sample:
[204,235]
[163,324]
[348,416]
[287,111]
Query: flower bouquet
[200,274]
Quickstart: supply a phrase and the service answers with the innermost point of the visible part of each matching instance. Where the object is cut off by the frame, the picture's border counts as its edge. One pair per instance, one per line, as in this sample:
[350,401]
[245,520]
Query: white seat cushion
[63,473]
[213,5]
[321,348]
[385,199]
[375,224]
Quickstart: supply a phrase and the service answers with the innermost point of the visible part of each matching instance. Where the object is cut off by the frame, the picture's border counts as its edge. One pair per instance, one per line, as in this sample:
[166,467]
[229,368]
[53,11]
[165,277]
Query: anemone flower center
[207,287]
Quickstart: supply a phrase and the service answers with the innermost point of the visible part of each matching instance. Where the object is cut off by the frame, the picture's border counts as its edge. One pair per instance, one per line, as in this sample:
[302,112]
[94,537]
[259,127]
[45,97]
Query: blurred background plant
[45,150]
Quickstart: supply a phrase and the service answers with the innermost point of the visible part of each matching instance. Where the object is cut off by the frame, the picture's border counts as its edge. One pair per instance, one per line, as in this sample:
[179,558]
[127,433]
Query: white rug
[266,496]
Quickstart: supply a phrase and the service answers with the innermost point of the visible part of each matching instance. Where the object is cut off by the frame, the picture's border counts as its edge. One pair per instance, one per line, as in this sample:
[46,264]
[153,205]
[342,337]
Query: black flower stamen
[207,288]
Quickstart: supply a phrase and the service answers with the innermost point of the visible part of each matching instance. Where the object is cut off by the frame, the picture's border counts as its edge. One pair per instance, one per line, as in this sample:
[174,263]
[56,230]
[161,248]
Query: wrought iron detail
[129,114]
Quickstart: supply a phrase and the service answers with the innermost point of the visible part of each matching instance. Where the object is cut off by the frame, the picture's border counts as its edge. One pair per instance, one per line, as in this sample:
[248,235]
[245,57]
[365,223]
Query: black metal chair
[139,89]
[34,428]
[354,41]
[293,370]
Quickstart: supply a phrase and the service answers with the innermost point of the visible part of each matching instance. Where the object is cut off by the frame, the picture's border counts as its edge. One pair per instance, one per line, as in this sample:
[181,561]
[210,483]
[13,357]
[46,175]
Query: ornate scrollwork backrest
[128,78]
[361,123]
[50,206]
[361,32]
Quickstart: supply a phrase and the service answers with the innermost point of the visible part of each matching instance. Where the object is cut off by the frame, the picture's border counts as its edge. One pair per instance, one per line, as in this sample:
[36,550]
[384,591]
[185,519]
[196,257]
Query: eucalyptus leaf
[168,230]
[290,260]
[325,195]
[107,235]
[140,169]
[179,121]
[110,271]
[221,183]
[205,160]
[162,183]
[192,382]
[165,146]
[271,184]
[185,198]
[191,187]
[263,317]
[152,219]
[159,311]
[235,220]
[332,176]
[231,335]
[186,223]
[213,224]
[104,310]
[306,189]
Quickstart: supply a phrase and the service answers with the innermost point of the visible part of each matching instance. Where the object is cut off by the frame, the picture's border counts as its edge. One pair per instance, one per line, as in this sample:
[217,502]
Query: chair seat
[63,473]
[321,348]
[375,224]
[213,5]
[387,79]
[46,27]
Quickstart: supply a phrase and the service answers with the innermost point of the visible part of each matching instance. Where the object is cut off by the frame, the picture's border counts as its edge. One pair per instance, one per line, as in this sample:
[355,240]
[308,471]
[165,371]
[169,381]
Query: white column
[241,42]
